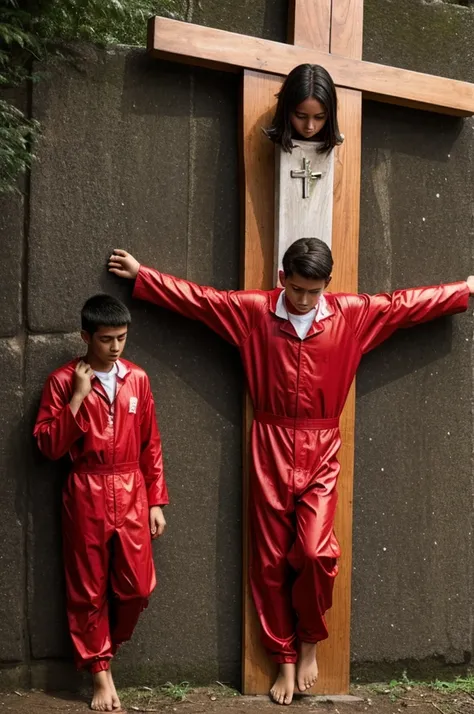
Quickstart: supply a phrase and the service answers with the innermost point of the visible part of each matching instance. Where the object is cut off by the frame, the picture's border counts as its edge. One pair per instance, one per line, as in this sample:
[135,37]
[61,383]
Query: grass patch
[460,684]
[398,688]
[177,692]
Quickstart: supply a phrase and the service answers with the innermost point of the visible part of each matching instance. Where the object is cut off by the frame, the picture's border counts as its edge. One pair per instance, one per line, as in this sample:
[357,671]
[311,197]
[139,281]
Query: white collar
[321,312]
[119,370]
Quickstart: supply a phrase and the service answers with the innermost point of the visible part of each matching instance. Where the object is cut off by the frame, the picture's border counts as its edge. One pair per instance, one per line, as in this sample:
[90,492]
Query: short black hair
[104,310]
[309,258]
[303,82]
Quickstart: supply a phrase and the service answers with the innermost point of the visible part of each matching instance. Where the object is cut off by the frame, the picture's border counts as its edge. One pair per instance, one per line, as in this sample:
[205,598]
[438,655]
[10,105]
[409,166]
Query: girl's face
[308,118]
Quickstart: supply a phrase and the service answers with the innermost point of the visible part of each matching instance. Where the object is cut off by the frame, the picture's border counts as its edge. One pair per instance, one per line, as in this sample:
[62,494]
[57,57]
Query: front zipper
[296,409]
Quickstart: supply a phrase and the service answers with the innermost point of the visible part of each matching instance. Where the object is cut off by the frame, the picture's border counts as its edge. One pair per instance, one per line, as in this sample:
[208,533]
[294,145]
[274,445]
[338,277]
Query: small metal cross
[307,175]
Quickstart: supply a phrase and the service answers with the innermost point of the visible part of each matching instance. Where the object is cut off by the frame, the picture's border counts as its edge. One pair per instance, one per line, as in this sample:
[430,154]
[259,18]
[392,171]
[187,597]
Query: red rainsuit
[116,476]
[298,388]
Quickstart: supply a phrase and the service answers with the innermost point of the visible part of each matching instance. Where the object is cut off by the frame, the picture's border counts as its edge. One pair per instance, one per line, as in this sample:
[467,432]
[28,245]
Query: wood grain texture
[295,216]
[346,37]
[347,22]
[310,24]
[194,44]
[334,653]
[257,201]
[257,178]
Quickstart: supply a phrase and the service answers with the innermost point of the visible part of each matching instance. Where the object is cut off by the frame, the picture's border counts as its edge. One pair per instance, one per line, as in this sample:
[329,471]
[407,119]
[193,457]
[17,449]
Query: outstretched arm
[232,314]
[375,317]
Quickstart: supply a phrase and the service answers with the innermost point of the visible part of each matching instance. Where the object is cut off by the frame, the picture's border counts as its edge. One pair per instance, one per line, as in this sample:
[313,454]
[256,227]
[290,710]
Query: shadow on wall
[407,351]
[48,631]
[421,134]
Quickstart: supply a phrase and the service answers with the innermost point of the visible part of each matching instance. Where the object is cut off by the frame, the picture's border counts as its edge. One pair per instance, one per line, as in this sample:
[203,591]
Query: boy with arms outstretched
[300,348]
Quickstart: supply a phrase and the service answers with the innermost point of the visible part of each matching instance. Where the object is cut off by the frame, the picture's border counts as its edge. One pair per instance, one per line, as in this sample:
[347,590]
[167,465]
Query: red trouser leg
[313,558]
[132,574]
[107,547]
[86,537]
[293,555]
[272,534]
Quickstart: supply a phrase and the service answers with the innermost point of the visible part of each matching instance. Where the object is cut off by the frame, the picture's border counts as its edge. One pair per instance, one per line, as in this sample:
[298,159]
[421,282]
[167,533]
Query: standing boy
[100,411]
[300,349]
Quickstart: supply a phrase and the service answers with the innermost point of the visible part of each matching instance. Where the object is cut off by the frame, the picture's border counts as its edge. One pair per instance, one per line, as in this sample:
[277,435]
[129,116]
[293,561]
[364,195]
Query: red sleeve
[375,317]
[151,460]
[56,428]
[232,314]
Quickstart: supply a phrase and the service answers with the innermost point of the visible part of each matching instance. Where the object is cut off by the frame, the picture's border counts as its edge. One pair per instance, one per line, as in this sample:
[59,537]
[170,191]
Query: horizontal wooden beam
[219,49]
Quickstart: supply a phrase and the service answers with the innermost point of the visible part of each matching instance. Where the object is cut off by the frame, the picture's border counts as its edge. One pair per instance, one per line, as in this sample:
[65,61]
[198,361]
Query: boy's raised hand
[82,385]
[157,522]
[123,264]
[82,379]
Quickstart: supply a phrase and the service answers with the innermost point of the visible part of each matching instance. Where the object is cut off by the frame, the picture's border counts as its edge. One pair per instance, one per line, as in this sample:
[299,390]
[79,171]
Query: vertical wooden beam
[257,192]
[347,28]
[257,177]
[334,653]
[309,24]
[346,39]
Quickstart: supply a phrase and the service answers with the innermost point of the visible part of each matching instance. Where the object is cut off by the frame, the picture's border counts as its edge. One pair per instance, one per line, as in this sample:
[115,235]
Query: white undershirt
[302,323]
[109,381]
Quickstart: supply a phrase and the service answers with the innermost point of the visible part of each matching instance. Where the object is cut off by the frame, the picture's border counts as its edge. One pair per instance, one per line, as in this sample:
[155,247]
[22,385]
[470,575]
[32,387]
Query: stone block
[13,499]
[412,520]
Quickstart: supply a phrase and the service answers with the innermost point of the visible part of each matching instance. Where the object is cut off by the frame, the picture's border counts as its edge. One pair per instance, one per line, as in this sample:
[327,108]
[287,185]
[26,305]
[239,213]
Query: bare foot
[115,700]
[307,667]
[102,696]
[282,690]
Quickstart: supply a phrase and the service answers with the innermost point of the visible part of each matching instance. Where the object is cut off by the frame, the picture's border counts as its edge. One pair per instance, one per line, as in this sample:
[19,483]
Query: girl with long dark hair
[306,109]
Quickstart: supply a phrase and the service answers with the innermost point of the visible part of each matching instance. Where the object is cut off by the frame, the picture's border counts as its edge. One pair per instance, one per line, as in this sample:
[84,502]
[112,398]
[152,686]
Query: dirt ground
[394,698]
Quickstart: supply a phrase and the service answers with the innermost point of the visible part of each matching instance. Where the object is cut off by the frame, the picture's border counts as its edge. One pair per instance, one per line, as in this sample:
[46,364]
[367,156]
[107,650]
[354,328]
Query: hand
[157,522]
[470,284]
[82,379]
[123,264]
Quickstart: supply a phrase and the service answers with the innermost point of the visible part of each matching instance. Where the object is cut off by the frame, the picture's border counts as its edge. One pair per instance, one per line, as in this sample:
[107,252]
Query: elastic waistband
[296,422]
[79,468]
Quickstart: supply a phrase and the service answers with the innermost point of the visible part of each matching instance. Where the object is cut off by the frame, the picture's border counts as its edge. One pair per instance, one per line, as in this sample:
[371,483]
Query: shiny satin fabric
[117,475]
[294,465]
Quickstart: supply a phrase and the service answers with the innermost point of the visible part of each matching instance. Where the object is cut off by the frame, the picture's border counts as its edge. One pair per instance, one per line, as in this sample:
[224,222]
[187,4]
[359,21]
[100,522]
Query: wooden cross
[329,33]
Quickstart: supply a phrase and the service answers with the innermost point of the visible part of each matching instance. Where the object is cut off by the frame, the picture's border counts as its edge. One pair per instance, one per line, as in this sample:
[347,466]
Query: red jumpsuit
[116,476]
[298,388]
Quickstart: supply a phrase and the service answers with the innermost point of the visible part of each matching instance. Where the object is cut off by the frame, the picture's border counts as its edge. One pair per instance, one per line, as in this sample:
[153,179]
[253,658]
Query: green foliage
[98,21]
[16,133]
[398,688]
[460,684]
[30,29]
[177,692]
